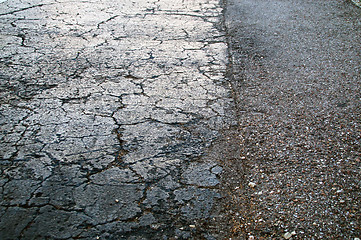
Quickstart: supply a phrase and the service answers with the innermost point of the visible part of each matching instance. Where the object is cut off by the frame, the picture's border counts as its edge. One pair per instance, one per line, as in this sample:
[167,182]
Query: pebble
[217,170]
[287,235]
[252,184]
[155,226]
[192,226]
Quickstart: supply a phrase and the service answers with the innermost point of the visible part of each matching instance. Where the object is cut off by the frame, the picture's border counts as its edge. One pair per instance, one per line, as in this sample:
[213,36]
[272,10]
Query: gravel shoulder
[296,76]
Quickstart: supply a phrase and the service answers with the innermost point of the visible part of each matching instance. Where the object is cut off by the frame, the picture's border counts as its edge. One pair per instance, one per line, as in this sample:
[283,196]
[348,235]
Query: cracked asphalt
[199,119]
[108,112]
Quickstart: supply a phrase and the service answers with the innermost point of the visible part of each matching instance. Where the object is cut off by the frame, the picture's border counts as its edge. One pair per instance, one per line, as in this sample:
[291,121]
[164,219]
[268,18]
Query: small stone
[192,226]
[252,184]
[287,235]
[293,233]
[251,237]
[356,239]
[217,170]
[155,226]
[116,200]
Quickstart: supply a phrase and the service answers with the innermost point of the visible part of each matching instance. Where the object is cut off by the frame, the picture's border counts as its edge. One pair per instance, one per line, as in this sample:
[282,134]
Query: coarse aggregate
[297,75]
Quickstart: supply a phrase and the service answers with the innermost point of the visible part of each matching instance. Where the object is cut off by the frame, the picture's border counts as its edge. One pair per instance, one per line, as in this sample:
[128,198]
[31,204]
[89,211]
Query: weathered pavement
[297,68]
[117,119]
[108,110]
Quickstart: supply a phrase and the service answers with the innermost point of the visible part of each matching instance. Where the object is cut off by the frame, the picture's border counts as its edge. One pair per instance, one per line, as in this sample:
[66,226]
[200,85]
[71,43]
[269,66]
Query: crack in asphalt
[22,9]
[107,125]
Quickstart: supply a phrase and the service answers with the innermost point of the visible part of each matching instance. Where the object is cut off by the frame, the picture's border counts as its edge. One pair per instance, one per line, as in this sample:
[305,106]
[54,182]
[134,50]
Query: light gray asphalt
[108,109]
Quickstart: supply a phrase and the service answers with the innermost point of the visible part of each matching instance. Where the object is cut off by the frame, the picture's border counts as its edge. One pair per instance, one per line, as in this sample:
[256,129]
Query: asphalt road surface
[199,119]
[297,74]
[107,111]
